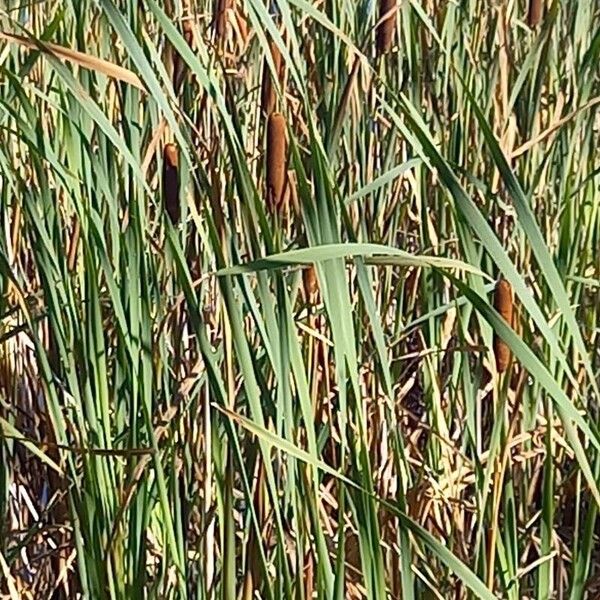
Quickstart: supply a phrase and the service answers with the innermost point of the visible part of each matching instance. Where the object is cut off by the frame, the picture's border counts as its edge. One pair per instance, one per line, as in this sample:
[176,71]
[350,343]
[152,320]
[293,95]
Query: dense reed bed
[299,299]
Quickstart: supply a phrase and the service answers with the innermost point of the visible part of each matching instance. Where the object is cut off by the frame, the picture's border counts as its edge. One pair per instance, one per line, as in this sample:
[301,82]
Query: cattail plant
[536,8]
[170,182]
[386,27]
[503,303]
[268,94]
[276,161]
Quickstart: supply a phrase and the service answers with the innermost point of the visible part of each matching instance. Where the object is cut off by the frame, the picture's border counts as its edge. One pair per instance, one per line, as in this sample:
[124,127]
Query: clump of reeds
[276,161]
[536,8]
[268,94]
[170,181]
[386,27]
[503,303]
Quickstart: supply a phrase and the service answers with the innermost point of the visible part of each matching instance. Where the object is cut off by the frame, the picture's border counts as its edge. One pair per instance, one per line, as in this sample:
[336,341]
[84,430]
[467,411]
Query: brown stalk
[171,182]
[503,303]
[276,160]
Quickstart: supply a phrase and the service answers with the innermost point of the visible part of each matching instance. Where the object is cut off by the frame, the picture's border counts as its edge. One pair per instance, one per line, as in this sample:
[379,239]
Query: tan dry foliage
[87,61]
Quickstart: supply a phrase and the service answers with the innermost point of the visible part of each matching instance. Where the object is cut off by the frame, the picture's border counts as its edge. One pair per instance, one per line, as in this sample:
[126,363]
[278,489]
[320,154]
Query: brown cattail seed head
[222,8]
[268,94]
[276,160]
[179,66]
[188,32]
[74,244]
[503,303]
[309,279]
[171,182]
[386,27]
[536,8]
